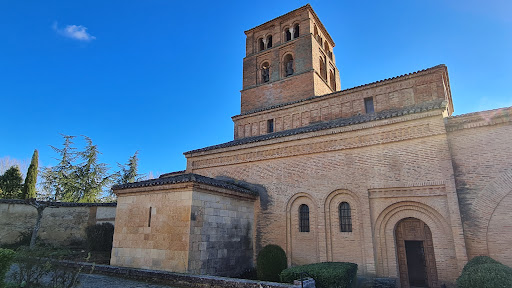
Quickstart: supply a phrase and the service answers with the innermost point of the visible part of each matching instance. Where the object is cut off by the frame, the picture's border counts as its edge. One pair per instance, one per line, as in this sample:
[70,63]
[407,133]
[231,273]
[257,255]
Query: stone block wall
[184,227]
[61,225]
[221,234]
[154,231]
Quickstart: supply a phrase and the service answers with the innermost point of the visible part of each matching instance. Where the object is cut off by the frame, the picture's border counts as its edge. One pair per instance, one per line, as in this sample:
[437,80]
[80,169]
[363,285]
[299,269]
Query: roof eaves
[185,178]
[380,82]
[340,122]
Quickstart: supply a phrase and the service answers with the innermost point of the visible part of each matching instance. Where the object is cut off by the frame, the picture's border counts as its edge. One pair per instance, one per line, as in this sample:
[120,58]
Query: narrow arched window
[332,80]
[261,44]
[288,35]
[345,217]
[315,33]
[323,71]
[326,47]
[296,31]
[265,72]
[288,65]
[269,41]
[303,218]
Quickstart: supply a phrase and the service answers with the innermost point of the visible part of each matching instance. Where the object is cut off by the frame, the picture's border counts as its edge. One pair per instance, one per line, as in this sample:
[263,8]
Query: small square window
[270,126]
[368,105]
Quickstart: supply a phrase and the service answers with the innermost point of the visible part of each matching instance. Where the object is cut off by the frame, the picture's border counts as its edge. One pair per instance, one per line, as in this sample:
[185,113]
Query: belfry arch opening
[415,254]
[288,65]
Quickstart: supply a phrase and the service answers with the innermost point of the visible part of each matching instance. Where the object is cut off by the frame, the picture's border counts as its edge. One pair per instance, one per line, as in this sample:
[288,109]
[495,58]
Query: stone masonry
[184,223]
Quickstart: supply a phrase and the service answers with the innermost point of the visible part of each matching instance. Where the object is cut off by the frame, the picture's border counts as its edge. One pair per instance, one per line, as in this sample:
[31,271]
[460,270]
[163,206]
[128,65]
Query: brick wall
[306,51]
[321,169]
[482,160]
[388,94]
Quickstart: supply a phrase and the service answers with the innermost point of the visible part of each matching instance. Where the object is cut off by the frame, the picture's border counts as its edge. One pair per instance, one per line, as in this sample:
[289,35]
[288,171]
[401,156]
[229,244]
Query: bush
[23,239]
[326,274]
[479,260]
[6,257]
[35,268]
[99,237]
[487,275]
[270,262]
[249,274]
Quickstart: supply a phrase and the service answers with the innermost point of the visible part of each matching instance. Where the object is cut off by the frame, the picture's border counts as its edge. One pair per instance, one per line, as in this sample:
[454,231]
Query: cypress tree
[29,189]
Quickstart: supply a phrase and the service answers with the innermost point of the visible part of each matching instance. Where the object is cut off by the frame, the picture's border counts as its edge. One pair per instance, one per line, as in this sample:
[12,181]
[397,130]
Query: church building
[381,175]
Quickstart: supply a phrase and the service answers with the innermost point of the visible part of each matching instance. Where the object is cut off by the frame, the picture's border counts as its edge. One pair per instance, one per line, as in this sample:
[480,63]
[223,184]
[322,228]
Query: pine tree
[92,177]
[60,180]
[11,183]
[29,189]
[129,174]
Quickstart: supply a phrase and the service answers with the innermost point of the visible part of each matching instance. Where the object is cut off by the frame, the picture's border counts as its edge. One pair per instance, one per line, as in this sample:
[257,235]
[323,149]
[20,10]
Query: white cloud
[77,32]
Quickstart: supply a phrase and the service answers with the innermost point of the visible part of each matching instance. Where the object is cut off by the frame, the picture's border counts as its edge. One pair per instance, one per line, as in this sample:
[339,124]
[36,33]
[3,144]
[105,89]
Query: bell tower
[288,59]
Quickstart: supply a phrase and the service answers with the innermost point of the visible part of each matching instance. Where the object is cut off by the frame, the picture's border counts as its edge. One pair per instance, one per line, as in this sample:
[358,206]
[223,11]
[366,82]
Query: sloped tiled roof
[341,122]
[184,178]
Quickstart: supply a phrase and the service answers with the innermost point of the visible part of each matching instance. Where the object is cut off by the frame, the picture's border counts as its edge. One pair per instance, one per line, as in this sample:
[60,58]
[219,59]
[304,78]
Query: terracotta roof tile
[184,178]
[426,106]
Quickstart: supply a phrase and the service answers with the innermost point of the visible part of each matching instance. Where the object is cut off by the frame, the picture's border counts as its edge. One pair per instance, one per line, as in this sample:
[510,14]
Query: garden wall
[62,223]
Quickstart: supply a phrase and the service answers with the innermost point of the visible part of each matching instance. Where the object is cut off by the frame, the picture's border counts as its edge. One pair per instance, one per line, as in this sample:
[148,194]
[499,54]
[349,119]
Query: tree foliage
[79,176]
[29,189]
[128,172]
[11,183]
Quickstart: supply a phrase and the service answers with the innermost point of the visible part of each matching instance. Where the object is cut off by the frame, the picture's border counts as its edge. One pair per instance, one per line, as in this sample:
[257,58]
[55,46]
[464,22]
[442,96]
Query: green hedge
[479,260]
[6,257]
[270,262]
[326,274]
[485,272]
[99,237]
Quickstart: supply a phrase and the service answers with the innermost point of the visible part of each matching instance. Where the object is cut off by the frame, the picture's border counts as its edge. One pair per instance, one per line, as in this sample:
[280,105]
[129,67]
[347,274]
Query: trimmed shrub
[479,260]
[270,262]
[6,257]
[489,275]
[38,268]
[326,274]
[99,237]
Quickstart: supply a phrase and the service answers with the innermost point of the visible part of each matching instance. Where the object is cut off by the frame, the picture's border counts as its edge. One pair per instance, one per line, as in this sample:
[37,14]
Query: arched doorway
[415,253]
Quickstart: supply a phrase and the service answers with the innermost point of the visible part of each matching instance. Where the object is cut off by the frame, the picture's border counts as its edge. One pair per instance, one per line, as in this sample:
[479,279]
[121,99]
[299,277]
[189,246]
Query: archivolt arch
[292,232]
[384,238]
[331,202]
[485,205]
[499,232]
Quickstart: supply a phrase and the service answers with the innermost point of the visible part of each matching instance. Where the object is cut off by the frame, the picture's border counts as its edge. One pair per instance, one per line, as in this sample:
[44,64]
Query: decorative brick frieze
[361,136]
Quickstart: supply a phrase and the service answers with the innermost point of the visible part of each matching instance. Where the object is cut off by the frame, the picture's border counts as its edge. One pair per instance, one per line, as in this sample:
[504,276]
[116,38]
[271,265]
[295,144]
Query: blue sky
[163,77]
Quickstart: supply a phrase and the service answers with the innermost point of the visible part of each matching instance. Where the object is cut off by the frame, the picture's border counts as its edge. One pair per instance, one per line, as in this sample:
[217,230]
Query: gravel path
[98,280]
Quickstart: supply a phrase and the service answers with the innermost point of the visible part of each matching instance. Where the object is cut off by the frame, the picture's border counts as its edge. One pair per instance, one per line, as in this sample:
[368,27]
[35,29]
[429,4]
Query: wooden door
[420,244]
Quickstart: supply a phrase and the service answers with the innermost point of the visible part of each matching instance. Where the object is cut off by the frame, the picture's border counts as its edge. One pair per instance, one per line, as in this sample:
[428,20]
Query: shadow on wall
[265,199]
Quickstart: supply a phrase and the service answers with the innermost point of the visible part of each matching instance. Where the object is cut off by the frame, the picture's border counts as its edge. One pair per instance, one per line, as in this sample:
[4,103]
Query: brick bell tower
[287,59]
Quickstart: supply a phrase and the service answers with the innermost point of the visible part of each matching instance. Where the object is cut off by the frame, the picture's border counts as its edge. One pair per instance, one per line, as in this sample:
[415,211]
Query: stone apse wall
[184,227]
[63,224]
[482,160]
[387,170]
